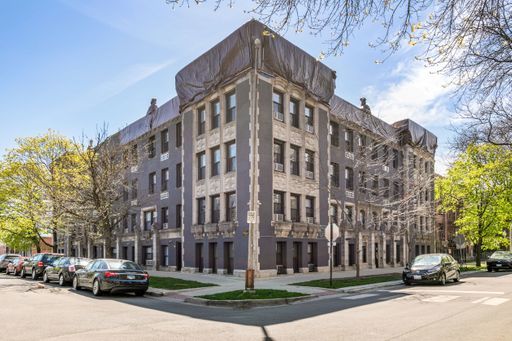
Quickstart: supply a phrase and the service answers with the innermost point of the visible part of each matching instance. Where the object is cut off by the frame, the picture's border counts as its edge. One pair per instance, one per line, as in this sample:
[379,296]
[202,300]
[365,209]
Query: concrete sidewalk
[282,282]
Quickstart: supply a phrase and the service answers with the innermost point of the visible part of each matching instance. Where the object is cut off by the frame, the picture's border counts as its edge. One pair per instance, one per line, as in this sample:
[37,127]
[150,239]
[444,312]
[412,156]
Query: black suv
[36,265]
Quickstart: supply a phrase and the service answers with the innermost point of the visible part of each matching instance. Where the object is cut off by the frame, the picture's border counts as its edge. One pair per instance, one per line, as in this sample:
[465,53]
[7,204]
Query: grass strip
[171,283]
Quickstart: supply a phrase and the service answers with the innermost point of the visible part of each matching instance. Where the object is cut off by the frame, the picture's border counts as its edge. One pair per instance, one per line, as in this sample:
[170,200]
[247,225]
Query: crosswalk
[434,296]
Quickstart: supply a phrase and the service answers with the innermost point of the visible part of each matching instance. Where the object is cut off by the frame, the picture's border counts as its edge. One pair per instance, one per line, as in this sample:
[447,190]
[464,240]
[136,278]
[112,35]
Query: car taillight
[40,264]
[71,268]
[146,276]
[111,274]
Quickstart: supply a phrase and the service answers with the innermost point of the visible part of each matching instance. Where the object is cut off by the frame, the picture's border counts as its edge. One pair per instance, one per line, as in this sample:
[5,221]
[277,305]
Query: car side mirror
[407,266]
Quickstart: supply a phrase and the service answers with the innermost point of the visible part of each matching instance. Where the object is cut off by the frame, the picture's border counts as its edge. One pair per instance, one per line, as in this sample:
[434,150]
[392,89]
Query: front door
[351,254]
[281,257]
[297,256]
[199,257]
[178,256]
[228,257]
[212,257]
[376,255]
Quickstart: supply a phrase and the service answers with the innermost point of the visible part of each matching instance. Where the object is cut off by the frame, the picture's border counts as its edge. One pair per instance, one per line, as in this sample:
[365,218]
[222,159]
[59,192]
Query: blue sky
[73,65]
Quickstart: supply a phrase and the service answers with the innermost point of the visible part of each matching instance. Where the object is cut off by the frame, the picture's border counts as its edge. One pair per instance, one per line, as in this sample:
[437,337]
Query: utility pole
[330,254]
[252,254]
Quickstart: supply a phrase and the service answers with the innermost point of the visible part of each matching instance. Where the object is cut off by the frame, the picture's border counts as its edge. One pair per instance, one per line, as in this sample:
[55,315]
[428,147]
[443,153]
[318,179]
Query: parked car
[432,267]
[63,269]
[35,267]
[500,260]
[5,259]
[14,267]
[112,275]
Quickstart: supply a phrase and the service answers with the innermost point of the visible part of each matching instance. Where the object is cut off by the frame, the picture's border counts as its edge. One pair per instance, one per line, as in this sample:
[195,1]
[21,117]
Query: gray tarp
[416,135]
[165,113]
[235,54]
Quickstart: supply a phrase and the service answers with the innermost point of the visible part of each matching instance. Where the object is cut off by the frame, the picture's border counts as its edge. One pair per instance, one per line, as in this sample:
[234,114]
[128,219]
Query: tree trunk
[107,237]
[478,258]
[55,246]
[358,250]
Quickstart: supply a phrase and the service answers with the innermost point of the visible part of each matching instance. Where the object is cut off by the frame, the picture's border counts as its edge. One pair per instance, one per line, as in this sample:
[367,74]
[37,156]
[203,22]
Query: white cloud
[415,92]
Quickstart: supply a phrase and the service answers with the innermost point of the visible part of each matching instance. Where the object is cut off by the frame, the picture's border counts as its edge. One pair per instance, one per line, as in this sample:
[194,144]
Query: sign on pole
[251,217]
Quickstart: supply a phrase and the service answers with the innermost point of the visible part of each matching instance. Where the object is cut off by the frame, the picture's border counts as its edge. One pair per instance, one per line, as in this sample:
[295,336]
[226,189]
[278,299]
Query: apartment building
[256,131]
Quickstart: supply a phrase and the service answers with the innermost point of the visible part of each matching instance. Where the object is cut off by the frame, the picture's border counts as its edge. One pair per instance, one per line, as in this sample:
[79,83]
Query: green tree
[478,187]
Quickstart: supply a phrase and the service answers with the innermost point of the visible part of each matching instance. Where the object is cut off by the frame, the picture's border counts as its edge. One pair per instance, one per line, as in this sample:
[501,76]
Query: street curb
[358,288]
[246,304]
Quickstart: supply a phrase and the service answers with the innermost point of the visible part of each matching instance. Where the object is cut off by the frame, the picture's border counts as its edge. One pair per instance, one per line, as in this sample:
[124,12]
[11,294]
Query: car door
[448,265]
[89,275]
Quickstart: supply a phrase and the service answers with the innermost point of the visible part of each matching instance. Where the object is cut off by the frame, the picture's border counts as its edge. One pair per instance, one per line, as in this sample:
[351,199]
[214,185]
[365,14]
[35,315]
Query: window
[230,157]
[277,99]
[230,107]
[295,207]
[215,109]
[125,191]
[164,141]
[385,185]
[152,182]
[335,134]
[396,190]
[309,159]
[201,121]
[334,213]
[147,252]
[278,202]
[215,209]
[178,175]
[279,155]
[178,216]
[335,174]
[133,222]
[349,140]
[310,208]
[385,154]
[375,150]
[125,223]
[201,210]
[165,255]
[362,144]
[375,184]
[164,179]
[178,135]
[349,179]
[215,157]
[294,112]
[362,217]
[310,119]
[395,158]
[362,182]
[135,154]
[134,188]
[231,207]
[149,219]
[201,166]
[151,147]
[349,213]
[165,215]
[294,160]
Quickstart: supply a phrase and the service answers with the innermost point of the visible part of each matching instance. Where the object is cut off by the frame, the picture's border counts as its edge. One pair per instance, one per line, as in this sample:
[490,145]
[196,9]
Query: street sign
[335,232]
[251,217]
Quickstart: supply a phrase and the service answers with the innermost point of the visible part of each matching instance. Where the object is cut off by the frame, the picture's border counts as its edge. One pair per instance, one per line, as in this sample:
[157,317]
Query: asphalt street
[477,308]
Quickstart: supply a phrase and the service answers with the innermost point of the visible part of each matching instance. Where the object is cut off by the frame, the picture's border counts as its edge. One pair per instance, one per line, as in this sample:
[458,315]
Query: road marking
[357,297]
[495,301]
[480,300]
[440,298]
[447,291]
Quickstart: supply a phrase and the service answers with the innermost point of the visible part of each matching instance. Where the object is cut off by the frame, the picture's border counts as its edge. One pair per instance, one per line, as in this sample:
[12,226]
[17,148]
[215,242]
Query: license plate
[498,264]
[417,277]
[130,277]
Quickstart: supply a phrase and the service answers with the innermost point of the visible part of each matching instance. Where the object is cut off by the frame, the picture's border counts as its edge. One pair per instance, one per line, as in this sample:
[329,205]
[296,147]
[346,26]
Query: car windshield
[502,255]
[427,260]
[82,261]
[123,265]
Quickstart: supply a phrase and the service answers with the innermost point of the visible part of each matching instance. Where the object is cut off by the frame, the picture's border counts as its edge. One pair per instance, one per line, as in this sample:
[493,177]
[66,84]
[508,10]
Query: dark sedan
[112,275]
[63,269]
[14,267]
[36,265]
[500,260]
[436,267]
[5,259]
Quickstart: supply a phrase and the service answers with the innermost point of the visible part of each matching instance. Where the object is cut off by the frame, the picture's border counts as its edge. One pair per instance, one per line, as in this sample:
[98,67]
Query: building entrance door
[228,257]
[178,256]
[212,257]
[297,256]
[351,254]
[199,257]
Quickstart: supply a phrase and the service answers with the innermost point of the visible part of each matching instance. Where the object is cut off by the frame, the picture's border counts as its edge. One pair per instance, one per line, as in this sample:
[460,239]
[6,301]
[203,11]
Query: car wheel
[34,275]
[96,290]
[45,278]
[489,269]
[140,293]
[61,280]
[22,273]
[15,272]
[457,277]
[75,283]
[443,279]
